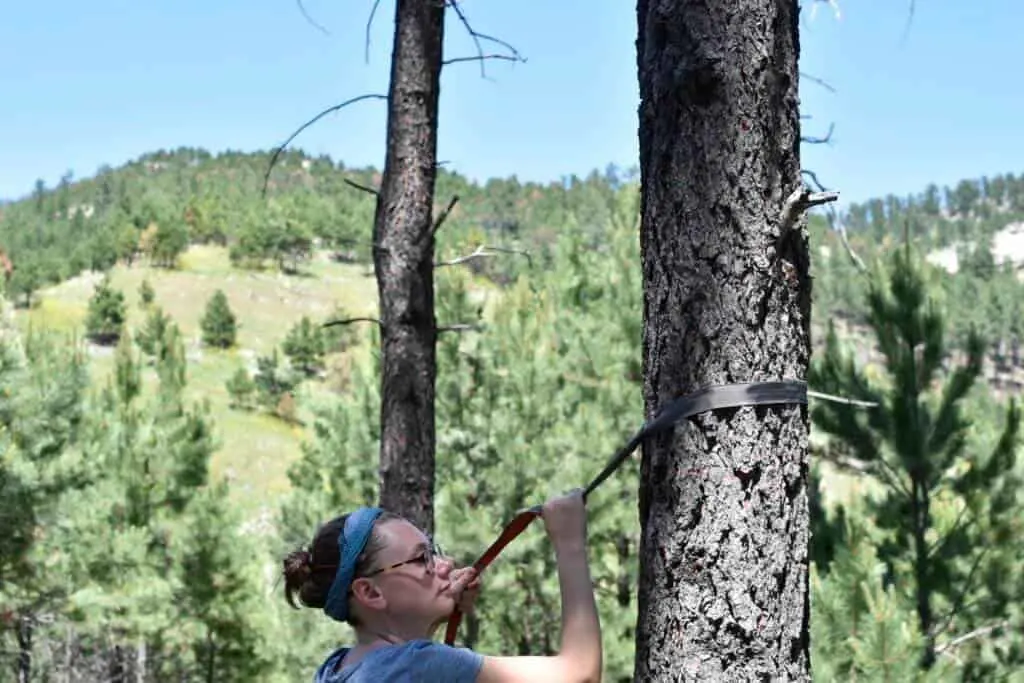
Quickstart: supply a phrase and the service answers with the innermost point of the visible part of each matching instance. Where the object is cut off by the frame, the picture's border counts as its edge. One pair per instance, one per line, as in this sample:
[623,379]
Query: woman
[381,574]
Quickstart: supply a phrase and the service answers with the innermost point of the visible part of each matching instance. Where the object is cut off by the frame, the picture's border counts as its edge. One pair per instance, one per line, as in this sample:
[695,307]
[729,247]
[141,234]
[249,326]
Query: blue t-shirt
[420,661]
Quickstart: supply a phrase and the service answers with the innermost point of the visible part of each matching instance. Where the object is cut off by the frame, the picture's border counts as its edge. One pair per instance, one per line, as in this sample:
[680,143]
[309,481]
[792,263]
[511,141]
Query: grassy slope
[255,449]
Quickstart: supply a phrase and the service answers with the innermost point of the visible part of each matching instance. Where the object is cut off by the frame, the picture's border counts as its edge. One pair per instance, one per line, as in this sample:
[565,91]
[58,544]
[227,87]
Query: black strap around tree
[713,397]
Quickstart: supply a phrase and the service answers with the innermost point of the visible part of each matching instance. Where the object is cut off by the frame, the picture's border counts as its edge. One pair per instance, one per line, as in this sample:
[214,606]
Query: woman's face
[411,577]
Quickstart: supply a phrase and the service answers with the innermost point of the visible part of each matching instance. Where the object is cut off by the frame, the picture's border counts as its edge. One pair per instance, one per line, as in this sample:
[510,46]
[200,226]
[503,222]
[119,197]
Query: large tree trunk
[403,250]
[723,504]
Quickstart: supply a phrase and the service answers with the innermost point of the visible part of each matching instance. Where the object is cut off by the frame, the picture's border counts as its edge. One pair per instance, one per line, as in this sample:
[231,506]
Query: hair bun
[298,568]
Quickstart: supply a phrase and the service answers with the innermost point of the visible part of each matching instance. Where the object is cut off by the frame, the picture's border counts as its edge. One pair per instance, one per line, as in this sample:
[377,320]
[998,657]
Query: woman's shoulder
[416,660]
[330,671]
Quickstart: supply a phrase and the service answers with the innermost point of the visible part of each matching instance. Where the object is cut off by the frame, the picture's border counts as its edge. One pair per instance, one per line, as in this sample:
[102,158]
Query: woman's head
[384,572]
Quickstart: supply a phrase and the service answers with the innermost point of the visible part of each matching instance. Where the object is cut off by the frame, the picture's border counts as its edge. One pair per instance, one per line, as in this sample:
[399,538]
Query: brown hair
[309,573]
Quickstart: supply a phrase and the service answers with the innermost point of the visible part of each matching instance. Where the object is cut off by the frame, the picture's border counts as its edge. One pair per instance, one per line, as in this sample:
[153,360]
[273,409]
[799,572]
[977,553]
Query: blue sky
[87,83]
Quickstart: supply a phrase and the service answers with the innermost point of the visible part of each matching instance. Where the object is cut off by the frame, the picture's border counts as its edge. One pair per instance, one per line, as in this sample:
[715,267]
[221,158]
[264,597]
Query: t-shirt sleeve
[440,662]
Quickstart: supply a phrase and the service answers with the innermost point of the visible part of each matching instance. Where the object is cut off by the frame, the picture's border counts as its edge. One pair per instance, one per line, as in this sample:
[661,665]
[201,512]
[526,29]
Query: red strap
[517,526]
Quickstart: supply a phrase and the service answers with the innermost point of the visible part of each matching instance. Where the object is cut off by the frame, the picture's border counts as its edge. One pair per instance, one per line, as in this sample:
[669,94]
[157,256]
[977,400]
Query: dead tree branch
[799,202]
[817,81]
[349,321]
[837,225]
[970,635]
[330,110]
[459,327]
[512,54]
[840,399]
[814,178]
[834,4]
[310,20]
[369,25]
[444,214]
[848,463]
[824,140]
[482,251]
[958,604]
[359,186]
[478,58]
[958,523]
[910,20]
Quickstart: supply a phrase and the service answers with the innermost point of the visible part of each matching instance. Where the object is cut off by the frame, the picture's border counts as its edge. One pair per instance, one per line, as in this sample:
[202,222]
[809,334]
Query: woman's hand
[465,588]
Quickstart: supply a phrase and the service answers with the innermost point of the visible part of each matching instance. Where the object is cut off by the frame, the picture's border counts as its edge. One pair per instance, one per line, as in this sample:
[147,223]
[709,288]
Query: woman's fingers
[465,588]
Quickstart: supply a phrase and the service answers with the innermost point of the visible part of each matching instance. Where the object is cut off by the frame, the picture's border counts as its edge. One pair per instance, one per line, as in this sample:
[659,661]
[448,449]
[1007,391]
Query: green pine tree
[220,591]
[150,337]
[241,389]
[170,240]
[218,323]
[146,293]
[304,347]
[862,629]
[947,506]
[42,385]
[127,373]
[106,316]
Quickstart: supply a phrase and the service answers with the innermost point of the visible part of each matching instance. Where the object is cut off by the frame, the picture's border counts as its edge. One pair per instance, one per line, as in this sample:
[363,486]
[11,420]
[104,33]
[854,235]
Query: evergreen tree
[272,381]
[862,629]
[146,293]
[218,587]
[170,241]
[154,458]
[41,387]
[304,347]
[128,379]
[106,316]
[150,337]
[241,389]
[945,504]
[25,280]
[218,324]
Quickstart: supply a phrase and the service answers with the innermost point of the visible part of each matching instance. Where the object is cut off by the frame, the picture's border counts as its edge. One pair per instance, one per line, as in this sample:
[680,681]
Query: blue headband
[351,543]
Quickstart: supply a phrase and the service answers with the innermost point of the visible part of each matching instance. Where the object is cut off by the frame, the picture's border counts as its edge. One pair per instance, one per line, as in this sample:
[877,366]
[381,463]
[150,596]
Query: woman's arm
[579,658]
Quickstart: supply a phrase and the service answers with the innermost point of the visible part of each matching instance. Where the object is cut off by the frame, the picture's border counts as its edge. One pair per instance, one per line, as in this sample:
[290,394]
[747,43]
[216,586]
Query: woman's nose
[443,566]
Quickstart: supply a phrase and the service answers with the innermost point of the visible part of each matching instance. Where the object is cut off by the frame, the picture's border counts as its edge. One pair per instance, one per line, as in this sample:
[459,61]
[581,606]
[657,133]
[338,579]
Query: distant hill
[193,221]
[156,205]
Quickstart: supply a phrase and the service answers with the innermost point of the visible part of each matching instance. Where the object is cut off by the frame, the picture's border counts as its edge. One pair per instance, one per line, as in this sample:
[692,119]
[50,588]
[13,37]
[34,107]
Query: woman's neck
[391,634]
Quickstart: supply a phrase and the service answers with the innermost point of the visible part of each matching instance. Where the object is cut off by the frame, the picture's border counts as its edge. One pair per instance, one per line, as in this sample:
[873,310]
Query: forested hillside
[174,416]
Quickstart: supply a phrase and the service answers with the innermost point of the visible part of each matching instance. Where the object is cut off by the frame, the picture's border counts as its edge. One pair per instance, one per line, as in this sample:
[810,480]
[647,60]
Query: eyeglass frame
[429,555]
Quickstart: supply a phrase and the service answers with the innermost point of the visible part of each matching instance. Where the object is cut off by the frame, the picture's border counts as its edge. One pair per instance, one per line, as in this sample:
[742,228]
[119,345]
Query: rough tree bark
[403,250]
[723,504]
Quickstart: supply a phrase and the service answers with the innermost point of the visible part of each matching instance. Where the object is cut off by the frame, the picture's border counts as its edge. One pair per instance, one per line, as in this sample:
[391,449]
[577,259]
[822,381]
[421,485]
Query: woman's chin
[445,606]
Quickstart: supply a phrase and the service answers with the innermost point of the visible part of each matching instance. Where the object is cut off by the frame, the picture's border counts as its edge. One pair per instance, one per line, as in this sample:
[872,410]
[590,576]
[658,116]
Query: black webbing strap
[713,397]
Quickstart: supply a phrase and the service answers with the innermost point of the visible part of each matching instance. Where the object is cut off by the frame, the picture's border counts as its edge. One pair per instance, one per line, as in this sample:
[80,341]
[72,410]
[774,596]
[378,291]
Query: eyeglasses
[428,557]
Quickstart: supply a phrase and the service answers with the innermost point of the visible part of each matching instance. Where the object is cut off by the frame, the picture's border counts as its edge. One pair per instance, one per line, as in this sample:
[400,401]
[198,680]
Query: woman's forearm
[581,627]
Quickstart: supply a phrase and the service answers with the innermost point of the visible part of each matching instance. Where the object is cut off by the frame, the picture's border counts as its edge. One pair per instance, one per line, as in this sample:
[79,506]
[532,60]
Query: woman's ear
[366,593]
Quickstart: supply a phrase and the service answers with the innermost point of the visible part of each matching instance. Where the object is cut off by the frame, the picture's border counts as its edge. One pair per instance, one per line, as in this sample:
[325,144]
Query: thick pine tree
[723,589]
